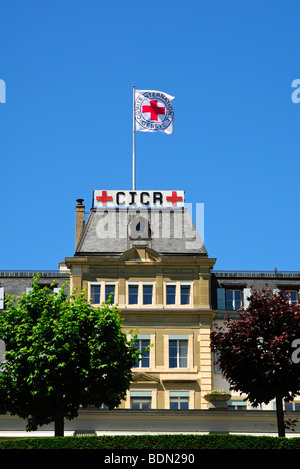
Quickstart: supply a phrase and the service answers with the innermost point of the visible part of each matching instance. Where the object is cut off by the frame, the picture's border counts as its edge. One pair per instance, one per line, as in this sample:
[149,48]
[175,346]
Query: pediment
[145,377]
[140,254]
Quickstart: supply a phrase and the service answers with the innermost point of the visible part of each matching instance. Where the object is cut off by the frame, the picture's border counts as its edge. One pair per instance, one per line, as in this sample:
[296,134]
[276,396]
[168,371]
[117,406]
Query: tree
[61,353]
[256,351]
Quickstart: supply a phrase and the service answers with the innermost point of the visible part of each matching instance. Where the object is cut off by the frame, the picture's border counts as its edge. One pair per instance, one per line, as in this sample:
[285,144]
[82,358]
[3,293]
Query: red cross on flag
[153,111]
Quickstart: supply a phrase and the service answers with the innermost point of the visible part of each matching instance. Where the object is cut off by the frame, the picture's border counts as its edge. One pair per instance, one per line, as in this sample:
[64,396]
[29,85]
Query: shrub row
[154,442]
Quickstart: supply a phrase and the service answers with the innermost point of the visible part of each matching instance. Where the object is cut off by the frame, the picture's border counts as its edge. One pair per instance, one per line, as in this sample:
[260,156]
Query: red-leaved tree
[259,352]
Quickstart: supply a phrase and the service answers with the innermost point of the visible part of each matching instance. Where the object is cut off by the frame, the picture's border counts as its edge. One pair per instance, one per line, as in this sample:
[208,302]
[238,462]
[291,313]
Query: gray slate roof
[114,231]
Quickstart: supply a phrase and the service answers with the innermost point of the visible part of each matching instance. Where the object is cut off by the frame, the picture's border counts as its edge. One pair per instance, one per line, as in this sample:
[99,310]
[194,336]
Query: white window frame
[237,403]
[178,339]
[179,396]
[109,284]
[186,284]
[95,284]
[293,404]
[102,284]
[289,292]
[147,284]
[140,294]
[141,337]
[133,284]
[234,290]
[178,285]
[171,284]
[141,396]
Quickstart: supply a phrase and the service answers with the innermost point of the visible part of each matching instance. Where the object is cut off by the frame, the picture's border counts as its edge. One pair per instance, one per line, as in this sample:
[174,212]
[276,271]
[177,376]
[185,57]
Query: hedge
[154,442]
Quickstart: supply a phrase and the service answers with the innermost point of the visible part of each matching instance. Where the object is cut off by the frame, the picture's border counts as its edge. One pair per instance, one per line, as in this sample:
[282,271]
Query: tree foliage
[255,352]
[61,353]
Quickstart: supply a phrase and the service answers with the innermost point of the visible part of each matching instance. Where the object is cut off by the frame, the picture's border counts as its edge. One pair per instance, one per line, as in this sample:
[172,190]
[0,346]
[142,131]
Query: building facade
[152,262]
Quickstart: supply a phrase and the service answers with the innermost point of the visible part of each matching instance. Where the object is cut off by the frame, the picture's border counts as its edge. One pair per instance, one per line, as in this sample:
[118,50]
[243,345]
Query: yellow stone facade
[159,321]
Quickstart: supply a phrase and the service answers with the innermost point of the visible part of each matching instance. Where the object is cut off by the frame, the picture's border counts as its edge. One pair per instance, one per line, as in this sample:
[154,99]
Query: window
[178,353]
[49,289]
[237,405]
[95,293]
[144,361]
[141,293]
[140,400]
[147,294]
[292,295]
[217,368]
[185,293]
[233,299]
[171,294]
[133,294]
[289,406]
[179,400]
[109,291]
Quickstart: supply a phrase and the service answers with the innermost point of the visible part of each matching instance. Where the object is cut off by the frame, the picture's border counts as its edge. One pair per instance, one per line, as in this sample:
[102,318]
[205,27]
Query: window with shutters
[292,296]
[217,368]
[233,299]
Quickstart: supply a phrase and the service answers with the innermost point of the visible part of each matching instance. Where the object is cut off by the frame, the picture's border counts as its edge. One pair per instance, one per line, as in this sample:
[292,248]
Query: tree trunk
[280,417]
[59,423]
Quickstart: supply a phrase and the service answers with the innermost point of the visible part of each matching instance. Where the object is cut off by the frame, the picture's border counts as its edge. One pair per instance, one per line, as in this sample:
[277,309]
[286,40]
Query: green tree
[256,352]
[61,353]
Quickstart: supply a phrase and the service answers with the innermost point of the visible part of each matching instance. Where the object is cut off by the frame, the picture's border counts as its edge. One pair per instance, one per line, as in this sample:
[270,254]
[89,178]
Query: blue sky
[66,127]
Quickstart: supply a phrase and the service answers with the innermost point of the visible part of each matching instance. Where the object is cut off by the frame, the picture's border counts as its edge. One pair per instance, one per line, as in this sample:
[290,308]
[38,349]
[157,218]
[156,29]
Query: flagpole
[133,153]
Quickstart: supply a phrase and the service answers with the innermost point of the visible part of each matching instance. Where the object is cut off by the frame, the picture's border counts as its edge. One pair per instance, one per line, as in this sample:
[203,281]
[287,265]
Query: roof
[115,231]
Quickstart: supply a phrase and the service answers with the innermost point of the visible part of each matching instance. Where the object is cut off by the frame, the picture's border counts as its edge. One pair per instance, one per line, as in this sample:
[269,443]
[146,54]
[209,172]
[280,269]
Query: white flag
[153,111]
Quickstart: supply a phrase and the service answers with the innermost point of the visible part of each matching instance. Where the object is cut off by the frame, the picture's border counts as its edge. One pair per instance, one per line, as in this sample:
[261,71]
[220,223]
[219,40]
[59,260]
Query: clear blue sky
[66,127]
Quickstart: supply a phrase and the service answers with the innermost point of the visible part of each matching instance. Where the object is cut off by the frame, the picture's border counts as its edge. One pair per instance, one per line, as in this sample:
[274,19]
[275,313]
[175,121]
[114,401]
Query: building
[158,268]
[229,292]
[142,247]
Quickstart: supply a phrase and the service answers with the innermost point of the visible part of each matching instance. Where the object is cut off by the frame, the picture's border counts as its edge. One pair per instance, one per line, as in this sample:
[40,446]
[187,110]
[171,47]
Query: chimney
[80,219]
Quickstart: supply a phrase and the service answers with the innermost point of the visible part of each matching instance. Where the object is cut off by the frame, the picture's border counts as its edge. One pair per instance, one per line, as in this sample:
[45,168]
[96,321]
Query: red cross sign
[133,199]
[104,198]
[174,198]
[154,110]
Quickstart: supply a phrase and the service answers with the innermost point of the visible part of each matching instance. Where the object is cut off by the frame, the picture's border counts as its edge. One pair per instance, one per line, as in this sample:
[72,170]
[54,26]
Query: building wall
[222,283]
[16,283]
[159,321]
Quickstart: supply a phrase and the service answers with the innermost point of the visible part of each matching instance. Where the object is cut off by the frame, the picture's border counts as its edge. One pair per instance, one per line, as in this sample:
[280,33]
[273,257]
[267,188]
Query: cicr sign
[172,198]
